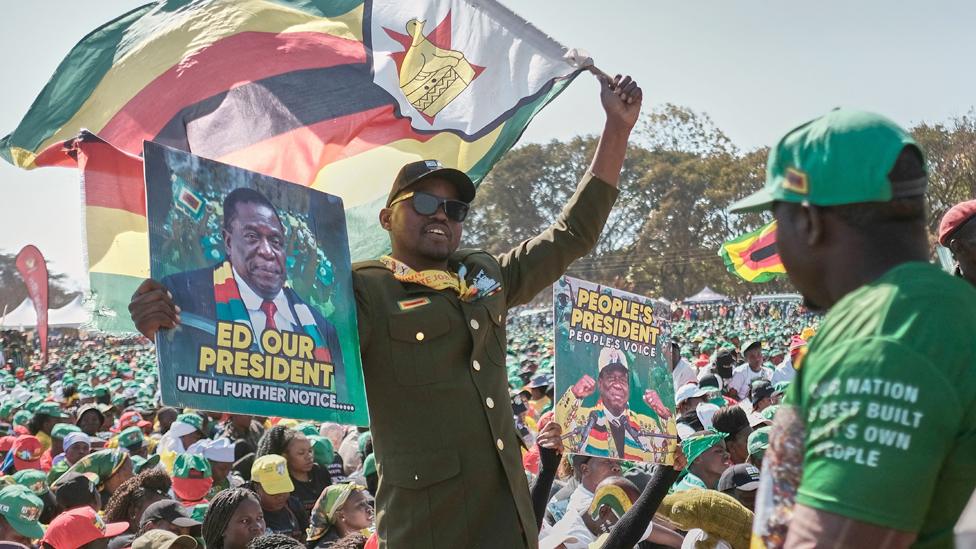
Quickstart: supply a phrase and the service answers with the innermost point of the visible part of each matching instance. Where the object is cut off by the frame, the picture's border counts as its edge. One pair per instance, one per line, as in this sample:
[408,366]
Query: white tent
[707,295]
[22,315]
[72,315]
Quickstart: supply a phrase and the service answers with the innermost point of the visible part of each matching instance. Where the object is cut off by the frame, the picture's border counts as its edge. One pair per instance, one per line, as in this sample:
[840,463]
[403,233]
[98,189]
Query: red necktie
[269,309]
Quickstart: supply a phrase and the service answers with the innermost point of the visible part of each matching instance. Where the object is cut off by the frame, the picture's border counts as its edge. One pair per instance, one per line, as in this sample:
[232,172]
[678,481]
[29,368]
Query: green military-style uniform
[448,458]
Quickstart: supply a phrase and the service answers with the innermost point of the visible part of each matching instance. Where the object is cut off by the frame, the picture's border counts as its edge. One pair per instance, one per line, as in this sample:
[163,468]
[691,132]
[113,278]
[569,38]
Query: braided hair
[154,481]
[275,441]
[274,541]
[221,509]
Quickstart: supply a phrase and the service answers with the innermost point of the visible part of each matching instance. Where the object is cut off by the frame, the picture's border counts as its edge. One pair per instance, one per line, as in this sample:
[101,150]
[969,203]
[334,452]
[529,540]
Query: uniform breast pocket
[496,344]
[415,337]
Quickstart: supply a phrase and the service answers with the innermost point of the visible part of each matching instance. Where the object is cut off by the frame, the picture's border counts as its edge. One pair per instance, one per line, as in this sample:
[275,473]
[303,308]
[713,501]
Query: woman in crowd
[233,519]
[283,513]
[308,478]
[342,510]
[132,498]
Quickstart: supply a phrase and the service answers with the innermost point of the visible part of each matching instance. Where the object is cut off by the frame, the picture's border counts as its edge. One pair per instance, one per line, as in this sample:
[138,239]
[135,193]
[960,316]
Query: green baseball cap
[307,429]
[35,479]
[140,464]
[61,430]
[758,441]
[843,157]
[369,465]
[186,463]
[21,508]
[22,417]
[130,437]
[322,450]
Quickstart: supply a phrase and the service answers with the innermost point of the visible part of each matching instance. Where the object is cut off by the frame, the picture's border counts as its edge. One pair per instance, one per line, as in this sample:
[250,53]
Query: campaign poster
[260,270]
[615,397]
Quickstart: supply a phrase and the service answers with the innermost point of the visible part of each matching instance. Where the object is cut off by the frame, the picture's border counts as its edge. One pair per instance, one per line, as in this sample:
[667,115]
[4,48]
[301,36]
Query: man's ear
[955,246]
[386,219]
[810,225]
[226,236]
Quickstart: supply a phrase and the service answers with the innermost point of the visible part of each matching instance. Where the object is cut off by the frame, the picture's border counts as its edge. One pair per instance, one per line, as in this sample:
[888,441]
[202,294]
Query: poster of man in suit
[261,273]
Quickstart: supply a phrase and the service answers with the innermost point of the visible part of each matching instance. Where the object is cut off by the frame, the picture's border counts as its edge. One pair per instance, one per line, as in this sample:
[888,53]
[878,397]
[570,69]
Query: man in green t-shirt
[887,390]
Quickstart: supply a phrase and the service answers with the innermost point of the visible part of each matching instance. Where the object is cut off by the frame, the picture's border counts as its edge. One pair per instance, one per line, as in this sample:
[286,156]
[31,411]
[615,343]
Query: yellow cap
[271,472]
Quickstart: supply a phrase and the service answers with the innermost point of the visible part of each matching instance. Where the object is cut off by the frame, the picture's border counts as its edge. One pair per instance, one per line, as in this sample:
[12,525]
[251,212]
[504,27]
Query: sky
[757,67]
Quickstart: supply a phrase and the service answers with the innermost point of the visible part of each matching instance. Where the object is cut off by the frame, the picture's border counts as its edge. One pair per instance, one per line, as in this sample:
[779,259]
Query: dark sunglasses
[427,204]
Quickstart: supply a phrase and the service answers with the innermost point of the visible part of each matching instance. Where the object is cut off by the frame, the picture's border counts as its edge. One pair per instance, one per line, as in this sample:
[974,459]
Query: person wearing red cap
[81,528]
[958,233]
[26,452]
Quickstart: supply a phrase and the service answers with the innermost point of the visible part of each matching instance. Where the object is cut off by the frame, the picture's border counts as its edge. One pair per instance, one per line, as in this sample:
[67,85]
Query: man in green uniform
[432,338]
[887,389]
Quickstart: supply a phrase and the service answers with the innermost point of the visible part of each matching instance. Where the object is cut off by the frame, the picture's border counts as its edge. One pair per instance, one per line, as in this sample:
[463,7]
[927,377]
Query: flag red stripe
[112,179]
[770,261]
[317,145]
[228,63]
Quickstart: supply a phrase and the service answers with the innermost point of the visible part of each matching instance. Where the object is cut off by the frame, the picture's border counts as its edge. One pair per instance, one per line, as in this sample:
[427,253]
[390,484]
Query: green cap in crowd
[21,509]
[131,436]
[322,450]
[843,157]
[61,430]
[758,442]
[35,479]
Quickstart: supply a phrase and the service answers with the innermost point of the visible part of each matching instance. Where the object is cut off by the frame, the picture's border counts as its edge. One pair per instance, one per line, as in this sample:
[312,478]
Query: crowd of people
[90,458]
[791,426]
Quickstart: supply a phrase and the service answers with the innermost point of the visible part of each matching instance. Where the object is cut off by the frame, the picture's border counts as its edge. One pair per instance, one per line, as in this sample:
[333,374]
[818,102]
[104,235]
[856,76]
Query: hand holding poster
[615,394]
[260,271]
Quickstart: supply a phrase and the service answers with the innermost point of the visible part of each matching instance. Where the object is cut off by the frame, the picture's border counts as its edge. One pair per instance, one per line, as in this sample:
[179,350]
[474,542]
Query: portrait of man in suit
[250,285]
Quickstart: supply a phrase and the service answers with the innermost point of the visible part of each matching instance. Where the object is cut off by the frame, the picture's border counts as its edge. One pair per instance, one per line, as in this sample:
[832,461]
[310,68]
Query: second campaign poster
[260,270]
[615,397]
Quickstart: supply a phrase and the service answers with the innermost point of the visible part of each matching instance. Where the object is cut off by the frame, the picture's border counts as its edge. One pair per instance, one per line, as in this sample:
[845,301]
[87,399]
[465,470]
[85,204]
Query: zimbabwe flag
[333,94]
[753,256]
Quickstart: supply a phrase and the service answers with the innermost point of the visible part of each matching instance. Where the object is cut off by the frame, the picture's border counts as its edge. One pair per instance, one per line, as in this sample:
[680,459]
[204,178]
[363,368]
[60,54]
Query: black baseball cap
[761,390]
[743,476]
[415,171]
[75,489]
[168,510]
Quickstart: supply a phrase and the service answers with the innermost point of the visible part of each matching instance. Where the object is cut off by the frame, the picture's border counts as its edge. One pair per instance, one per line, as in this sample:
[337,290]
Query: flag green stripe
[79,74]
[111,294]
[72,84]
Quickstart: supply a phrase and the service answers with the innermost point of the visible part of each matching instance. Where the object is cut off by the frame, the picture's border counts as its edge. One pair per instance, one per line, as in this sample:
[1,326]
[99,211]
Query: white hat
[74,438]
[610,356]
[689,390]
[179,429]
[705,411]
[220,450]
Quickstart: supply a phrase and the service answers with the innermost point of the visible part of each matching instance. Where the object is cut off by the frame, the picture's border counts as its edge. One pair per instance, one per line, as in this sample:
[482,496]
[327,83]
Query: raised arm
[539,261]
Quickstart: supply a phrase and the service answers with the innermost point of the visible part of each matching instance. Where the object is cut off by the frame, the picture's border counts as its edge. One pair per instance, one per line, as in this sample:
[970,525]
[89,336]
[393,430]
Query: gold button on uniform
[416,477]
[420,336]
[490,402]
[476,365]
[500,444]
[499,319]
[474,324]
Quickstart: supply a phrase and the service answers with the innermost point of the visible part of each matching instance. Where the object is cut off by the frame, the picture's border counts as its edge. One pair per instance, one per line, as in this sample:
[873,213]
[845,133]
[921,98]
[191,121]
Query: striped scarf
[230,308]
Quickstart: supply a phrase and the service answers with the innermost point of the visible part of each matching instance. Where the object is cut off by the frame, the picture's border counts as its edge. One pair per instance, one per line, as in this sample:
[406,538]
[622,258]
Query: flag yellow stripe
[188,33]
[366,176]
[118,242]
